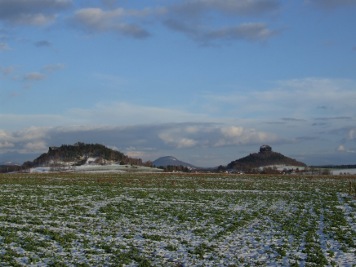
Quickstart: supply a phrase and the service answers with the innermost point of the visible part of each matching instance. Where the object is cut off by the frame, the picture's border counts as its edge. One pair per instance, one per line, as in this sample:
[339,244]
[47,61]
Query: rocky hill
[79,154]
[265,157]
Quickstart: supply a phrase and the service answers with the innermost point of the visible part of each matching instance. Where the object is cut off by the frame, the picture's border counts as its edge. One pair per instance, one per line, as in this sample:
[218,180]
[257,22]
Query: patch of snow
[343,171]
[281,167]
[40,170]
[90,167]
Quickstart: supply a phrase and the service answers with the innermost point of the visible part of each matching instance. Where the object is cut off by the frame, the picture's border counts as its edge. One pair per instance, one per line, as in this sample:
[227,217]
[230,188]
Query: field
[176,220]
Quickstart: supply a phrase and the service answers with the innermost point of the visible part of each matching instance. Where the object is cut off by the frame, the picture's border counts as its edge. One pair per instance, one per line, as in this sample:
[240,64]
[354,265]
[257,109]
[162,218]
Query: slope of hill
[171,161]
[265,157]
[79,154]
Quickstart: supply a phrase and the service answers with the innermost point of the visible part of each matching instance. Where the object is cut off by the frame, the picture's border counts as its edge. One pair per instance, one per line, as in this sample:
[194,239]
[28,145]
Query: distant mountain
[9,163]
[9,167]
[171,161]
[81,153]
[265,157]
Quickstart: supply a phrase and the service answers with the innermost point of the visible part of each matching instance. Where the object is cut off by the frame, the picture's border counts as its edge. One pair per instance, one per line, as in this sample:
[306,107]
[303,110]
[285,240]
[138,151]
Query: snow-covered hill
[171,161]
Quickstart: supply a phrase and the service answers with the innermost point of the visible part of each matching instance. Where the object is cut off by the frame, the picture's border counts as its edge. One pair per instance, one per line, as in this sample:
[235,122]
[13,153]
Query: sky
[206,81]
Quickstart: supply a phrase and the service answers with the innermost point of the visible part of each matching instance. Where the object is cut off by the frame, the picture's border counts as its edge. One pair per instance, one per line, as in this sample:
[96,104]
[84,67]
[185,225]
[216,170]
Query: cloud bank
[148,141]
[282,117]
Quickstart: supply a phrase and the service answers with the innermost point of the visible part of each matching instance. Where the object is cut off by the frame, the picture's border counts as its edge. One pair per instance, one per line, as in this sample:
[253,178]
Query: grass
[167,219]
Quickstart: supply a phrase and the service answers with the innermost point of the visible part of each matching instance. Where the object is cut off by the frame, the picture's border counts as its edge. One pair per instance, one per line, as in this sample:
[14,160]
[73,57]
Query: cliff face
[266,157]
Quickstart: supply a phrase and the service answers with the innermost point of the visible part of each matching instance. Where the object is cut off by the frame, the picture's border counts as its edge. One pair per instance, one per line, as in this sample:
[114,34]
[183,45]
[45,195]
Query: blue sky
[206,81]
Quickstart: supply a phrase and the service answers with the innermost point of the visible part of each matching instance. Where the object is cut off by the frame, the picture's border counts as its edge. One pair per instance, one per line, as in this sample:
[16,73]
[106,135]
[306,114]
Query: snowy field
[161,219]
[94,168]
[343,171]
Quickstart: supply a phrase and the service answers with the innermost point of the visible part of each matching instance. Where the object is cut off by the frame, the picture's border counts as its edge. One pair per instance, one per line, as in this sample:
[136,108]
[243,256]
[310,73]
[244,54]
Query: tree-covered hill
[265,157]
[79,153]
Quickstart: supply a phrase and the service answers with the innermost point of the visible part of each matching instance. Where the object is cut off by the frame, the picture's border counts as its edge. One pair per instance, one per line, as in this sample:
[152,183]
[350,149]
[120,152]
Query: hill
[265,157]
[81,153]
[171,161]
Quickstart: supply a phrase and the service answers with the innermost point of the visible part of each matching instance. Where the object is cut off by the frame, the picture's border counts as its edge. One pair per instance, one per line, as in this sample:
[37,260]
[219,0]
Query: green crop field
[166,219]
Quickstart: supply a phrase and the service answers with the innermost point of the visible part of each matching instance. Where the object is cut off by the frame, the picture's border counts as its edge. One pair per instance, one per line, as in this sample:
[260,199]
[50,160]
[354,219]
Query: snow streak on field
[175,220]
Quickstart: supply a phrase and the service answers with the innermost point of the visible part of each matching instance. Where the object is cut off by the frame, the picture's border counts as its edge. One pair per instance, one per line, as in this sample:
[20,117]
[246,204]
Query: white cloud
[213,135]
[174,138]
[181,135]
[27,140]
[32,133]
[233,135]
[37,146]
[232,131]
[117,20]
